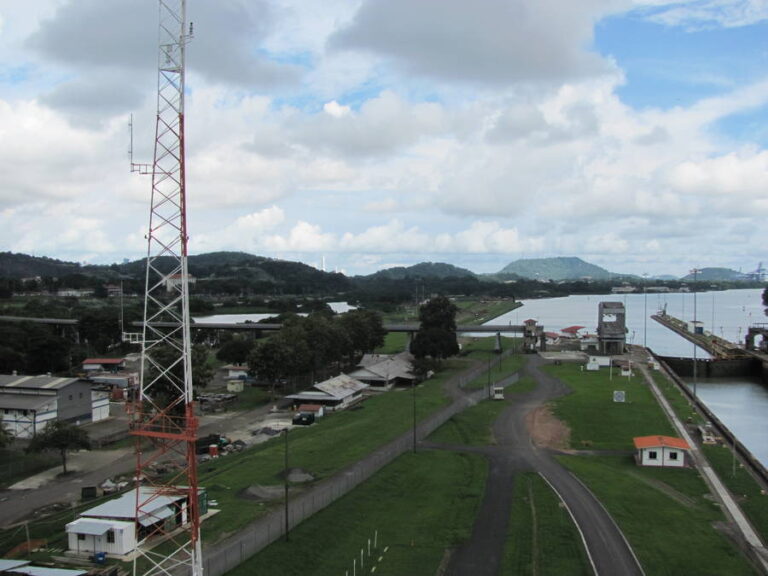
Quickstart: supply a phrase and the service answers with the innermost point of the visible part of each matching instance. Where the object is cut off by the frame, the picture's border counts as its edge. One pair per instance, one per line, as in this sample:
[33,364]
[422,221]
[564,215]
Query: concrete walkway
[716,486]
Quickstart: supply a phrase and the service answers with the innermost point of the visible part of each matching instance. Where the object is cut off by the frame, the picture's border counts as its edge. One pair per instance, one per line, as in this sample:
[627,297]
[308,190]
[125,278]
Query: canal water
[742,404]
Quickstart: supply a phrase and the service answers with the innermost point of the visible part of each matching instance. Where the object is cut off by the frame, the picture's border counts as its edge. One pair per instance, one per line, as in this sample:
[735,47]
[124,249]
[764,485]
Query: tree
[364,329]
[235,350]
[436,337]
[5,436]
[61,436]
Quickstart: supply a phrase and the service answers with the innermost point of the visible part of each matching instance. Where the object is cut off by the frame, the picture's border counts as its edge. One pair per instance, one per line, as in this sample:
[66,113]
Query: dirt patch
[546,430]
[263,493]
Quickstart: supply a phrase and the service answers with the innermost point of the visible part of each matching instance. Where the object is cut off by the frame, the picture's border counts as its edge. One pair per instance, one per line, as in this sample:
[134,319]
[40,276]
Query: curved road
[481,555]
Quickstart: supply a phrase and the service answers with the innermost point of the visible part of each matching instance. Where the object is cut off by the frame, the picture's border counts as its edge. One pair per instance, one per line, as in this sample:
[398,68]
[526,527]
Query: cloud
[335,109]
[108,49]
[705,14]
[488,42]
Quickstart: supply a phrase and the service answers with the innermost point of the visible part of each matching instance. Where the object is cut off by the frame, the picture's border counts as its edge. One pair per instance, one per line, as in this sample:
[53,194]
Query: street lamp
[695,273]
[413,389]
[285,474]
[645,310]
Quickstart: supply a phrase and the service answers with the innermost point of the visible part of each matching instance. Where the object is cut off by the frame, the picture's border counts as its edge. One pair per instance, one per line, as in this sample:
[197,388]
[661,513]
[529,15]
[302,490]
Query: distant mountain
[216,271]
[19,266]
[561,268]
[715,275]
[423,270]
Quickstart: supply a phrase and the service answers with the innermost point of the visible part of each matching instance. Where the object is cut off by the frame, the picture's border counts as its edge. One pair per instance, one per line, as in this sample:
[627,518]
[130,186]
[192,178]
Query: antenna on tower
[163,413]
[135,167]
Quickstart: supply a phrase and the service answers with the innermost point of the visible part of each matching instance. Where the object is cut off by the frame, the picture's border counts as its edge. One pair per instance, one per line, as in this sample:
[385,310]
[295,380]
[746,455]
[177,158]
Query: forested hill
[228,272]
[423,270]
[563,268]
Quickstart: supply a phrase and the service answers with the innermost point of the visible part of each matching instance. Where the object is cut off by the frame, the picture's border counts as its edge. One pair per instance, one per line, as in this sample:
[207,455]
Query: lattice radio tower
[167,510]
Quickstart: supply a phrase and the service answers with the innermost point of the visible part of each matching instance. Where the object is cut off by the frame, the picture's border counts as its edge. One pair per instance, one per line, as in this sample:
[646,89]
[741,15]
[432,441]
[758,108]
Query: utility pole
[695,272]
[164,413]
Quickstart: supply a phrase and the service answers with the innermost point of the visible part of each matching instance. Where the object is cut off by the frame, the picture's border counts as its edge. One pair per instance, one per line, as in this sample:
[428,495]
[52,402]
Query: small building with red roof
[662,451]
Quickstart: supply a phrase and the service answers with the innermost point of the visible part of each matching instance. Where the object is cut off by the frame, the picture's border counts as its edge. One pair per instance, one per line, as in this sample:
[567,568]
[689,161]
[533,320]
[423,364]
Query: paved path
[92,468]
[609,552]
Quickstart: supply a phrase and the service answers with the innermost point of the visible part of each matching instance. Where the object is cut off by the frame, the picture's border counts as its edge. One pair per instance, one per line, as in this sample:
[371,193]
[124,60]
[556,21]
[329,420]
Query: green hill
[423,270]
[715,275]
[561,268]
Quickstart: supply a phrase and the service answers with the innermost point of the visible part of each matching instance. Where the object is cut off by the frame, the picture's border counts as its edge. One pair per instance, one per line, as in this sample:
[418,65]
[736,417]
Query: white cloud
[700,14]
[335,109]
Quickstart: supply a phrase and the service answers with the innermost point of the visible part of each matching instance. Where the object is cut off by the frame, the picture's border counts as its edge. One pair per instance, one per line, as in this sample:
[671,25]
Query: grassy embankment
[748,492]
[422,505]
[666,514]
[542,539]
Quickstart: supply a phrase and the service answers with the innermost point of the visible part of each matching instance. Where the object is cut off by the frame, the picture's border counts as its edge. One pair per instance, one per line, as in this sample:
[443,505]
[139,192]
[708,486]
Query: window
[652,455]
[70,396]
[81,394]
[111,536]
[81,536]
[673,455]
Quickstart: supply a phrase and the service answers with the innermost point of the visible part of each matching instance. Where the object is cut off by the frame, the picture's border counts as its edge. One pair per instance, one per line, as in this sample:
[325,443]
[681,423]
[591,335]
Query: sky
[361,134]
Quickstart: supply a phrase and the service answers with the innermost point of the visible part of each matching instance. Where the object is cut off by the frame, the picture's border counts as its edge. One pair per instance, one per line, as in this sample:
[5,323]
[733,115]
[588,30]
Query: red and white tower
[164,421]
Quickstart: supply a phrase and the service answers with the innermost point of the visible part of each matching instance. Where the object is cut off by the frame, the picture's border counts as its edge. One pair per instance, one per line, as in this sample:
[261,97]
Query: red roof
[103,361]
[572,329]
[660,442]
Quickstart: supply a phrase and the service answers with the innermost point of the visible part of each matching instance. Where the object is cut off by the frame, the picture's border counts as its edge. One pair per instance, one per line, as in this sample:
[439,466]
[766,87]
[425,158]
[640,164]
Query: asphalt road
[18,504]
[514,453]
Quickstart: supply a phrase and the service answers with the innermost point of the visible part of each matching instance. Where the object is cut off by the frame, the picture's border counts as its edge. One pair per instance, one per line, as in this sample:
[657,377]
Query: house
[103,364]
[111,527]
[552,338]
[28,403]
[385,371]
[334,394]
[571,331]
[235,371]
[664,451]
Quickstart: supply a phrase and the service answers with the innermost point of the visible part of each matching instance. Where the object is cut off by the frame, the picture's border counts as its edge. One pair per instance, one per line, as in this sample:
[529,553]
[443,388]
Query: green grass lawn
[740,483]
[595,420]
[665,515]
[679,402]
[472,427]
[394,343]
[746,491]
[542,539]
[334,442]
[418,506]
[252,397]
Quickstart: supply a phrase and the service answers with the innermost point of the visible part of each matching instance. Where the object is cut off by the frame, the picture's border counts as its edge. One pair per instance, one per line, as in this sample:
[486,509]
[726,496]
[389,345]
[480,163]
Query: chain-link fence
[258,535]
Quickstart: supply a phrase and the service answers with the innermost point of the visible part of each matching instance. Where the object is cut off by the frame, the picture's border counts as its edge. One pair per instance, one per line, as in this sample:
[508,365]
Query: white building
[661,451]
[111,527]
[335,394]
[28,403]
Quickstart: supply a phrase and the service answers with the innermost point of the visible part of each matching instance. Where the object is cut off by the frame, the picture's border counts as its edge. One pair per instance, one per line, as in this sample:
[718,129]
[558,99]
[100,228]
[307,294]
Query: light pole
[286,483]
[645,310]
[413,389]
[695,272]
